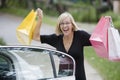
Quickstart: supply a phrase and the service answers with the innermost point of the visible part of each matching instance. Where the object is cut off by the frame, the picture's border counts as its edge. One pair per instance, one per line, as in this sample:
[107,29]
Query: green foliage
[117,24]
[17,3]
[84,14]
[2,42]
[115,18]
[79,4]
[81,11]
[18,12]
[47,20]
[50,12]
[109,70]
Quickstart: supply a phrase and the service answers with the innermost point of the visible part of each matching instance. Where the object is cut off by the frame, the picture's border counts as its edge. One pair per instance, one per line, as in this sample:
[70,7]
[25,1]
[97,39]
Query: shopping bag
[99,37]
[113,44]
[25,30]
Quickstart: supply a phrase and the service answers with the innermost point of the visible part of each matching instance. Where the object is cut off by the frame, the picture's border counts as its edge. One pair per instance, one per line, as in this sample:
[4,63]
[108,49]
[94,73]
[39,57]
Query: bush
[2,42]
[84,14]
[115,18]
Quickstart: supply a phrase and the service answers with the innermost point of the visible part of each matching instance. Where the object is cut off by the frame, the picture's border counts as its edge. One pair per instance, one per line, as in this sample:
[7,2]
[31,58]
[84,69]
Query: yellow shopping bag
[25,29]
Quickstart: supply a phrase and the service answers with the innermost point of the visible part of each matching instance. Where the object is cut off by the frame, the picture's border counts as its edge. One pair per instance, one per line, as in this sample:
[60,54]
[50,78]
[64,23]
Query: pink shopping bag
[99,37]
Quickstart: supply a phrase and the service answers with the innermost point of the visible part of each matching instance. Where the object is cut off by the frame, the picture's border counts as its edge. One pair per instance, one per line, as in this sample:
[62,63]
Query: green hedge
[115,18]
[2,42]
[84,14]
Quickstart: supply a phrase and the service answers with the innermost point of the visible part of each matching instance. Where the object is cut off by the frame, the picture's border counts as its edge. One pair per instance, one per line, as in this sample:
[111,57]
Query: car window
[34,64]
[6,68]
[64,65]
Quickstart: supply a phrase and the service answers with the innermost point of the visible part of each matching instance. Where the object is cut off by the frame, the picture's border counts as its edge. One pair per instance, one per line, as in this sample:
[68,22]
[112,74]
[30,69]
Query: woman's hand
[36,33]
[39,13]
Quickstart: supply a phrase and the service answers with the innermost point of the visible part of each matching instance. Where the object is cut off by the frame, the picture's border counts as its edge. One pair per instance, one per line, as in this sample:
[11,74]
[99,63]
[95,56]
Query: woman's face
[66,26]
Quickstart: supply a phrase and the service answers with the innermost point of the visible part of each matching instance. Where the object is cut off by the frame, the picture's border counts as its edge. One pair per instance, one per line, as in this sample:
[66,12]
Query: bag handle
[110,18]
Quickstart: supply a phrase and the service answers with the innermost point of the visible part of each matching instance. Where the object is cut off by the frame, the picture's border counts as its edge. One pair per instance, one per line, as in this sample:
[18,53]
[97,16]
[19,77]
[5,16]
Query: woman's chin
[66,33]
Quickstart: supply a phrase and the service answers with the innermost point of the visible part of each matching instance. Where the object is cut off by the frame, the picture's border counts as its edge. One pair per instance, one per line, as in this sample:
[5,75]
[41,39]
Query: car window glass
[34,64]
[6,69]
[64,65]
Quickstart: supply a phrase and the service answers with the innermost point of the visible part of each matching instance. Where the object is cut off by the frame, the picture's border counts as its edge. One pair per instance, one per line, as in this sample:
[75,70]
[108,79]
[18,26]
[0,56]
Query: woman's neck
[67,37]
[67,41]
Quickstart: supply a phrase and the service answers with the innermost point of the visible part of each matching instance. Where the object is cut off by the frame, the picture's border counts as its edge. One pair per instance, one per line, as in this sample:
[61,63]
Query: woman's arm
[36,33]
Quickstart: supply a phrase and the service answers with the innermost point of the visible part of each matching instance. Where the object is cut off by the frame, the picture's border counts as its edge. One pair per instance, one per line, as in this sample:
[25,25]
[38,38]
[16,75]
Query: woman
[68,39]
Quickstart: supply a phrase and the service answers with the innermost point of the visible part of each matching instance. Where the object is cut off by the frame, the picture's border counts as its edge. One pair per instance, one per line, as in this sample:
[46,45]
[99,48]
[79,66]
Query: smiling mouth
[66,30]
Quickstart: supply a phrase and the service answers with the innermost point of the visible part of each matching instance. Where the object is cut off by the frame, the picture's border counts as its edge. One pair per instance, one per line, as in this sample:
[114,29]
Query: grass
[107,69]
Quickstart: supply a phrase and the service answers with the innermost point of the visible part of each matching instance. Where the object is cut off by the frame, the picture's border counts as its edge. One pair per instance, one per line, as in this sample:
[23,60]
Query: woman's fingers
[39,13]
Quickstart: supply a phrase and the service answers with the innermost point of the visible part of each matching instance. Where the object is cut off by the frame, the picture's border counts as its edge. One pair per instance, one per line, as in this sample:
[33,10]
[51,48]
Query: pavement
[9,23]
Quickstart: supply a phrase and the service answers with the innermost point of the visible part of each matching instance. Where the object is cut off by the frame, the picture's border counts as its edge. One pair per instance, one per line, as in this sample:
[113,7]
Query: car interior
[6,68]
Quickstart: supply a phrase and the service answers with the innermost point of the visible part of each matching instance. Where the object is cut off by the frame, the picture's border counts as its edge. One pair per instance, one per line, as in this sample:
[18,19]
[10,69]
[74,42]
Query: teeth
[66,29]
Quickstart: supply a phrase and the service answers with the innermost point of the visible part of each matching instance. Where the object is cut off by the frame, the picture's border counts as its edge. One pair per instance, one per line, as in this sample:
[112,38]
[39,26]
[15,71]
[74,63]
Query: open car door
[35,63]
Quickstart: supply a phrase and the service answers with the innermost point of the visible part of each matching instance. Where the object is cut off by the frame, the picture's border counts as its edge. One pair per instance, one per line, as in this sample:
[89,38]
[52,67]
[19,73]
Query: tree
[3,3]
[116,6]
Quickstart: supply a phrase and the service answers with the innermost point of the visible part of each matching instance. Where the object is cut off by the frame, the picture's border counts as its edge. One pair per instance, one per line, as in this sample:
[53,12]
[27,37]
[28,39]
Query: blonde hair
[61,18]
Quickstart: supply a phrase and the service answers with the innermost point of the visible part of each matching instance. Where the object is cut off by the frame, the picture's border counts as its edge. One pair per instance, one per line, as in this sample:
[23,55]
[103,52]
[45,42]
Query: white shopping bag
[114,44]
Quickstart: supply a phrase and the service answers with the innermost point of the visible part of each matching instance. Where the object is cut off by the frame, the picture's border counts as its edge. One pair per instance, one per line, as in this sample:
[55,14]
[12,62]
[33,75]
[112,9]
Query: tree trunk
[116,6]
[3,3]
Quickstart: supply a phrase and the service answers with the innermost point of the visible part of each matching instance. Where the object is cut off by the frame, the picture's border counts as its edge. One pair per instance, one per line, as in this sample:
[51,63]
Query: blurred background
[84,11]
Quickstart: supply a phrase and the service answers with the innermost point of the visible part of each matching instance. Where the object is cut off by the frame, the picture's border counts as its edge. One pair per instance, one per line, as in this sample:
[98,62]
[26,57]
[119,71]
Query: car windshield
[34,64]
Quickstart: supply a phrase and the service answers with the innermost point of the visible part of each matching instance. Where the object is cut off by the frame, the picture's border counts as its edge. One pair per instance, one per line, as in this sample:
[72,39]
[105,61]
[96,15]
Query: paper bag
[25,29]
[114,44]
[99,37]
